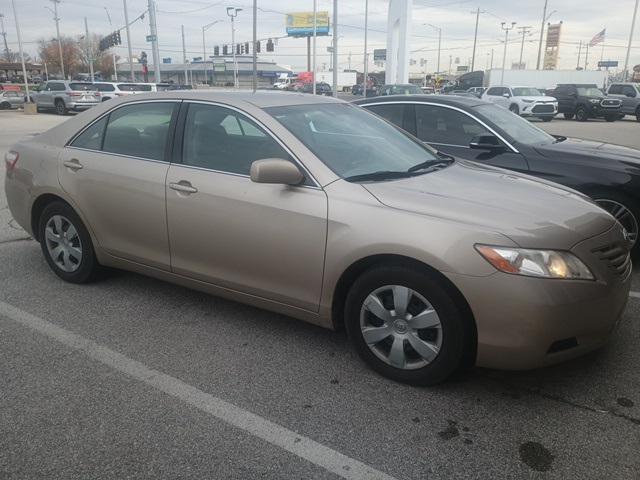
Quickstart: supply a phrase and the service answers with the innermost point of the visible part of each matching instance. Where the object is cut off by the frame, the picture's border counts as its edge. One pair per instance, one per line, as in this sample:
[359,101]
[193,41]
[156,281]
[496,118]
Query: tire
[514,109]
[5,106]
[79,267]
[546,119]
[569,116]
[61,109]
[581,114]
[449,339]
[611,118]
[611,202]
[638,114]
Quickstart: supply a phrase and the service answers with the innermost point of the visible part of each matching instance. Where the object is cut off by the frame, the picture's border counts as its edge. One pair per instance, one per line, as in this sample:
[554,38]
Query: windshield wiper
[379,175]
[429,164]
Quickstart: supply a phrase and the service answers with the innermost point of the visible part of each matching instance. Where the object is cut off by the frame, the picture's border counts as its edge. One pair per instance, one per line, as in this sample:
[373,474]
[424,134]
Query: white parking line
[268,431]
[634,294]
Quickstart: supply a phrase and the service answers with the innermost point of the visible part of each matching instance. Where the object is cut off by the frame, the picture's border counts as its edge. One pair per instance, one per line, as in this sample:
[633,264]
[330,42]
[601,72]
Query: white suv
[523,101]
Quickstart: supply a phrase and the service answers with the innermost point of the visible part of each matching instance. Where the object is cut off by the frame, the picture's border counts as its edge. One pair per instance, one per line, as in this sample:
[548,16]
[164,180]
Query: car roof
[451,100]
[260,99]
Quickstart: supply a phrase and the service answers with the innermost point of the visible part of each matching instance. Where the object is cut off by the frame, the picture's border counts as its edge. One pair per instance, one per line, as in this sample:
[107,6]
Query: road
[131,377]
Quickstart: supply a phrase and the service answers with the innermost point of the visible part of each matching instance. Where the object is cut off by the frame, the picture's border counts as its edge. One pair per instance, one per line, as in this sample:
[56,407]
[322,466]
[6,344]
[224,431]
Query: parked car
[63,96]
[428,90]
[11,99]
[322,88]
[357,89]
[585,101]
[490,135]
[523,101]
[477,91]
[3,78]
[111,90]
[315,208]
[629,95]
[461,93]
[400,89]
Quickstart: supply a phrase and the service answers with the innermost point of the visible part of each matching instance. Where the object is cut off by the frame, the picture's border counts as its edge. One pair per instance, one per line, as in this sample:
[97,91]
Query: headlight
[594,100]
[528,101]
[535,263]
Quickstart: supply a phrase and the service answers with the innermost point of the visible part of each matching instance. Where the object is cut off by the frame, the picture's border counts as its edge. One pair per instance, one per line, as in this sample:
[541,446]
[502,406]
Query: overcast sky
[582,19]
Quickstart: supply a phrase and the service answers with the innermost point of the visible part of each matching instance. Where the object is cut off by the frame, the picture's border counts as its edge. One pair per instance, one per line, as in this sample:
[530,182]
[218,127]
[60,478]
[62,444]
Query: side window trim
[508,144]
[179,141]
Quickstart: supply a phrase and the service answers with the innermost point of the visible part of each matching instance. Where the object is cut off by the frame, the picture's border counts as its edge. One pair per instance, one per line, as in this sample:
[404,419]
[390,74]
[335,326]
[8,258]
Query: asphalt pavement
[131,377]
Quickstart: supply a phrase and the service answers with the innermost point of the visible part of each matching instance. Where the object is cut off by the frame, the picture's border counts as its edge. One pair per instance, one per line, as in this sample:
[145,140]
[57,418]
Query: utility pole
[450,61]
[204,49]
[335,48]
[255,41]
[366,52]
[89,44]
[492,50]
[184,57]
[633,26]
[315,37]
[506,41]
[57,20]
[544,19]
[233,13]
[4,36]
[24,67]
[113,54]
[475,38]
[153,31]
[349,60]
[126,20]
[586,57]
[439,43]
[525,31]
[579,55]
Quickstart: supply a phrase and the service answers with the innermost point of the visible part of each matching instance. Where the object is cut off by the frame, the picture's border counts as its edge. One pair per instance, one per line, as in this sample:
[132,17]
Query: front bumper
[539,109]
[525,323]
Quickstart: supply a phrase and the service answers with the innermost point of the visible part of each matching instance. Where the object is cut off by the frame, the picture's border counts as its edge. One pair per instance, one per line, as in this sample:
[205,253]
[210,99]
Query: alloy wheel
[401,327]
[625,216]
[63,243]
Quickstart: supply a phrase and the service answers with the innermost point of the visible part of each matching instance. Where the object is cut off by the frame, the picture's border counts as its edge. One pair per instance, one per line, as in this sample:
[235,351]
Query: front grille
[543,109]
[616,257]
[609,103]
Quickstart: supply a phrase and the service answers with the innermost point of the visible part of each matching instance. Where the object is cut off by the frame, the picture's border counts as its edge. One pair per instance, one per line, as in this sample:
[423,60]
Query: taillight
[75,94]
[10,160]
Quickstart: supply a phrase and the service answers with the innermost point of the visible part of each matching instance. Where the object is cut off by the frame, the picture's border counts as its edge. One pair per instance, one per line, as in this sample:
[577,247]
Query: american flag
[599,38]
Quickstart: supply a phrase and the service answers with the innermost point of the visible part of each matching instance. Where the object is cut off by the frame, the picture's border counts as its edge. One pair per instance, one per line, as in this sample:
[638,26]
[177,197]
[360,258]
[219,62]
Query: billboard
[552,46]
[379,54]
[301,24]
[553,35]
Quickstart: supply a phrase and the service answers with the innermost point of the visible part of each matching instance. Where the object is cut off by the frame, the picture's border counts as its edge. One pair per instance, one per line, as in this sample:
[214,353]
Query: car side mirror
[276,170]
[485,141]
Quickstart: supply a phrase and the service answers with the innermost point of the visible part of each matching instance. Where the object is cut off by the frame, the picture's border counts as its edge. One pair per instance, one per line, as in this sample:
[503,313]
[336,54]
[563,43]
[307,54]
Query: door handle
[73,164]
[183,187]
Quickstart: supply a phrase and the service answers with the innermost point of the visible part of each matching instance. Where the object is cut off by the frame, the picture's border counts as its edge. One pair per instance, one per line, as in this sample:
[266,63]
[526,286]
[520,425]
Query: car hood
[598,151]
[533,214]
[538,99]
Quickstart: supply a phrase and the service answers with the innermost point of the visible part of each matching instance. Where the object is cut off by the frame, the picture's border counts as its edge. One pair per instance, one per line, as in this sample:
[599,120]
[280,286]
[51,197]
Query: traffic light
[118,40]
[238,49]
[216,51]
[246,48]
[270,46]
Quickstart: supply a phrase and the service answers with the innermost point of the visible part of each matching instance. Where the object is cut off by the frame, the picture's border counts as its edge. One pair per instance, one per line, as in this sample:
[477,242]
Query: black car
[473,129]
[322,88]
[357,89]
[585,101]
[400,89]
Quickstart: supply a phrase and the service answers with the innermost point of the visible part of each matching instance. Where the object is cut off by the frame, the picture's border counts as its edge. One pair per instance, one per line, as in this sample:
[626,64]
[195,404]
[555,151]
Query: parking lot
[131,377]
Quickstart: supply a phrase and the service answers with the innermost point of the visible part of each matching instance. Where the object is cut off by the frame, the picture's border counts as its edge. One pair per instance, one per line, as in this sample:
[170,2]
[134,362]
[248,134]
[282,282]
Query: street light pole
[439,43]
[89,49]
[506,41]
[524,31]
[475,38]
[4,36]
[255,42]
[57,20]
[315,35]
[113,54]
[335,48]
[366,53]
[544,19]
[126,20]
[184,57]
[233,13]
[24,67]
[633,26]
[204,49]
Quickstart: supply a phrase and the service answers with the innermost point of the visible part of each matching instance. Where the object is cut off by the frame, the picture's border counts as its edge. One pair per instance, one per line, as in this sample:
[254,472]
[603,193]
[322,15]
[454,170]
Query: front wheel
[581,114]
[66,244]
[624,211]
[546,119]
[405,325]
[611,118]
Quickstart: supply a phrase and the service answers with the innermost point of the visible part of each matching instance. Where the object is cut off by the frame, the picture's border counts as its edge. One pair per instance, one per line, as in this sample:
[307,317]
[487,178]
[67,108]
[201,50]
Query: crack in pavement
[551,396]
[14,240]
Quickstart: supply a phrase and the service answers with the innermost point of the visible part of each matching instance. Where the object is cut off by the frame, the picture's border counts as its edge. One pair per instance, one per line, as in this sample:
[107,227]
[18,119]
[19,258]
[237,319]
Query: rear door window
[442,125]
[91,138]
[391,113]
[494,91]
[139,130]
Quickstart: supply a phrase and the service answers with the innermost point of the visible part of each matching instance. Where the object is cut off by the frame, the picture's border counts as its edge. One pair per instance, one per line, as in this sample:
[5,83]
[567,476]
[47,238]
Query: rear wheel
[638,114]
[581,114]
[405,325]
[5,106]
[66,244]
[61,109]
[569,116]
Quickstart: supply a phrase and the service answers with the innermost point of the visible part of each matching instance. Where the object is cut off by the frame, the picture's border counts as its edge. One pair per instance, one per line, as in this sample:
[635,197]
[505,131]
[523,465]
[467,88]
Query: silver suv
[62,96]
[629,94]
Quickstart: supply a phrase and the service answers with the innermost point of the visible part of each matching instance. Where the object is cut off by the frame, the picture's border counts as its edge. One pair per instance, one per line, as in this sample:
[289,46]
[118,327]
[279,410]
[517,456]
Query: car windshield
[133,87]
[350,140]
[82,86]
[519,129]
[590,92]
[526,92]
